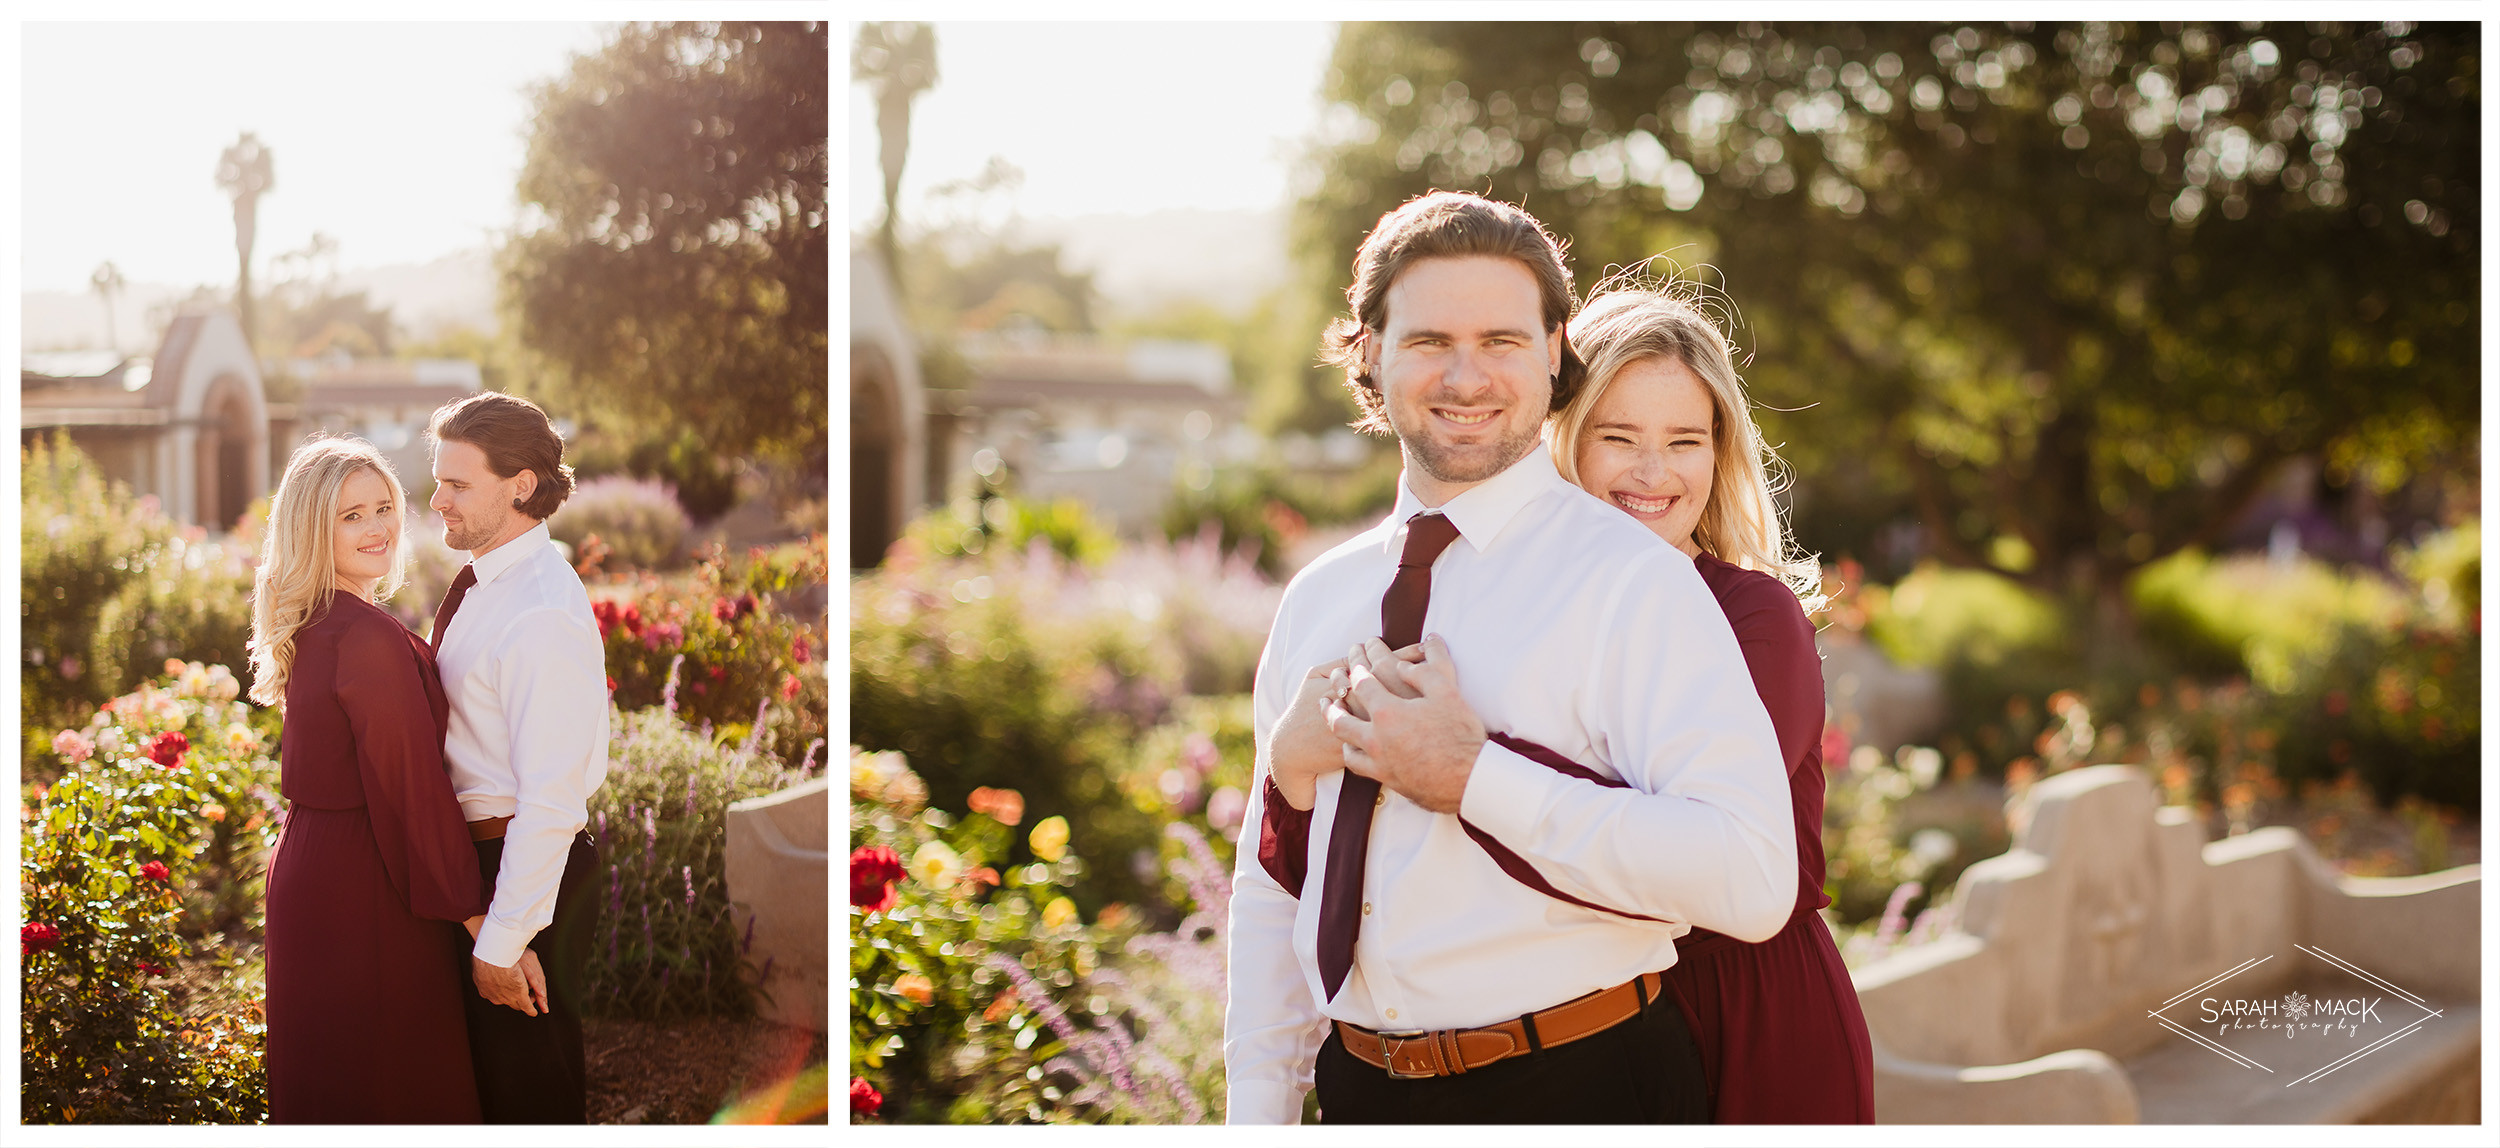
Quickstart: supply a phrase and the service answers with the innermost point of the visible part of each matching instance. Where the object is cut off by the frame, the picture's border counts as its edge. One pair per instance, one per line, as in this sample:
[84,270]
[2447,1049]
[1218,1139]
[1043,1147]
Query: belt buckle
[1389,1056]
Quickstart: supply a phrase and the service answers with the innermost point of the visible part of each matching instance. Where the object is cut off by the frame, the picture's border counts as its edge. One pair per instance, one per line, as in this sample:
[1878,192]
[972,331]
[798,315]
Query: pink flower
[168,748]
[73,746]
[798,648]
[789,686]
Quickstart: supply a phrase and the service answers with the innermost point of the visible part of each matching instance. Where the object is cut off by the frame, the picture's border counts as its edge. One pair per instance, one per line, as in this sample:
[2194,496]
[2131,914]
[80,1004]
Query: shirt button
[1367,908]
[1393,1014]
[1380,799]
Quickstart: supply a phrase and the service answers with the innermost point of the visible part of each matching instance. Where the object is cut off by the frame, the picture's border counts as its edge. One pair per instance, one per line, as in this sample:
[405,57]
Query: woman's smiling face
[1650,447]
[364,531]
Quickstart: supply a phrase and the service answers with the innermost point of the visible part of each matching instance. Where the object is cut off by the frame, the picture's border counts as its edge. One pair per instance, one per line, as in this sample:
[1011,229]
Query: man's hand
[1423,746]
[521,986]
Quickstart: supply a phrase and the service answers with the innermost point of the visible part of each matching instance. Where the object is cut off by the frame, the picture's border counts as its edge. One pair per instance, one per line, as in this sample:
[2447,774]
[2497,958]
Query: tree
[107,282]
[898,61]
[675,276]
[2068,295]
[244,171]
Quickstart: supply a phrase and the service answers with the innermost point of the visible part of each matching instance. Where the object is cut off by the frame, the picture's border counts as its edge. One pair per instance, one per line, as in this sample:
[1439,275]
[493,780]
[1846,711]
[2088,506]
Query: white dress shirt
[1575,627]
[527,677]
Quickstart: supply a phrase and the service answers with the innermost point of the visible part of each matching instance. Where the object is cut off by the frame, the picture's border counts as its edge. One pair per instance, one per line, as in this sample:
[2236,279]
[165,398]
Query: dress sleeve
[399,757]
[1778,643]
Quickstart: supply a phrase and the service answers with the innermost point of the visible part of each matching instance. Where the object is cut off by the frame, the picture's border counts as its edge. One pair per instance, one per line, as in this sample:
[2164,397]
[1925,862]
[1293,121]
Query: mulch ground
[685,1073]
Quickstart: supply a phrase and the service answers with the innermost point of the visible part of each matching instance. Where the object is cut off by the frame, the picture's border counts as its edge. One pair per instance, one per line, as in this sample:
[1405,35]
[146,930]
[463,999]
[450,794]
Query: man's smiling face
[1465,367]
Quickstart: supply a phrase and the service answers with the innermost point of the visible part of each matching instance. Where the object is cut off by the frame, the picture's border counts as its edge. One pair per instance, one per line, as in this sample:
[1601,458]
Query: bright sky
[1106,118]
[401,141]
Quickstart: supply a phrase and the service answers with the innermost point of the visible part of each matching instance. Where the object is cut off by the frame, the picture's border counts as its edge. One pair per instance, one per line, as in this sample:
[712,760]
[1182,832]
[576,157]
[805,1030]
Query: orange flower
[914,988]
[1001,1008]
[1004,806]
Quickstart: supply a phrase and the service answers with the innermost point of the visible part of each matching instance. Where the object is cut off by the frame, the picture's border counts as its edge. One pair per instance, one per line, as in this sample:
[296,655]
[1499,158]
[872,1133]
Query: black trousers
[529,1068]
[1646,1070]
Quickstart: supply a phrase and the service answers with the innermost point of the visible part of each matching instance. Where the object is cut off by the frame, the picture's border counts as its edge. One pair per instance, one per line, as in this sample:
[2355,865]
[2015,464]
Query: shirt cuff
[500,945]
[1506,793]
[1262,1102]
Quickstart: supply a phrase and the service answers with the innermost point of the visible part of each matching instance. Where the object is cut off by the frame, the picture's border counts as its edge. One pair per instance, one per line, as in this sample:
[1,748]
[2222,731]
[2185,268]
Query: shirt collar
[502,558]
[1482,511]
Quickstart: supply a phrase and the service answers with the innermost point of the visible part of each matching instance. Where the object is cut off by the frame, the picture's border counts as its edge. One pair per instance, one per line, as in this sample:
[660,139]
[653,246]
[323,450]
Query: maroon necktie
[451,603]
[1401,625]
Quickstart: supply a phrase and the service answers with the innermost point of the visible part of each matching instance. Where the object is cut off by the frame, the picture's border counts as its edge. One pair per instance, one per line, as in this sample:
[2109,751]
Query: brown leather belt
[489,829]
[1450,1051]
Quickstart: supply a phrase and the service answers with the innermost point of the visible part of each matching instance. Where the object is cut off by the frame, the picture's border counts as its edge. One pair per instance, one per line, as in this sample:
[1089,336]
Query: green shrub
[638,523]
[705,483]
[151,833]
[2248,615]
[668,946]
[996,522]
[109,589]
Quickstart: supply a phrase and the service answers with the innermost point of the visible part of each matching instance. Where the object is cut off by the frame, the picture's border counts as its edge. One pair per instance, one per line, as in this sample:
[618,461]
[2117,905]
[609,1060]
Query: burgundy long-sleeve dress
[366,956]
[1782,1038]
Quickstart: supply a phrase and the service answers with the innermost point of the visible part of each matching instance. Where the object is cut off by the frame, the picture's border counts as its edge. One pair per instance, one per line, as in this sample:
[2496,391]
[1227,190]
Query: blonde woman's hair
[1631,317]
[298,573]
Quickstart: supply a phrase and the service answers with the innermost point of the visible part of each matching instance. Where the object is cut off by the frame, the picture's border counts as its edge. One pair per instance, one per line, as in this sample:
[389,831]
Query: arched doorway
[876,448]
[224,453]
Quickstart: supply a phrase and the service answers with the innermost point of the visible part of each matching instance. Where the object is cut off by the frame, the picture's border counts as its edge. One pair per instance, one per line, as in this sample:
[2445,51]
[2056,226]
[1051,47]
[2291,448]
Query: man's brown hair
[516,436]
[1446,224]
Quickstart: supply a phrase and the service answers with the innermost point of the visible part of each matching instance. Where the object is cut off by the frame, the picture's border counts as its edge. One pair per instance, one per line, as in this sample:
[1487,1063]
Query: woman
[366,970]
[1663,432]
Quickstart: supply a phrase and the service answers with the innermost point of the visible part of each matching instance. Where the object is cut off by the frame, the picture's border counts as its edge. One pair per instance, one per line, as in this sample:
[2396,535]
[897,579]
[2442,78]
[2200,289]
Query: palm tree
[244,172]
[899,61]
[107,282]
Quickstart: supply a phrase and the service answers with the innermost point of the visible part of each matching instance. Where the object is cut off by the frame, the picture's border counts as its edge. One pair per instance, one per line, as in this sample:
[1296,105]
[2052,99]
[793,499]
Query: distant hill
[1142,262]
[456,290]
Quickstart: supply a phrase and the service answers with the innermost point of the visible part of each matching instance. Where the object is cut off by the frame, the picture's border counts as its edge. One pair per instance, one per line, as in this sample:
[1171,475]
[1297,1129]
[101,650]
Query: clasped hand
[521,985]
[1393,716]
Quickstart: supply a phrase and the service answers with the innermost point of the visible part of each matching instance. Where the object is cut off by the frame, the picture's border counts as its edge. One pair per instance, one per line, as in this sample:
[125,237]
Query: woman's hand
[1300,748]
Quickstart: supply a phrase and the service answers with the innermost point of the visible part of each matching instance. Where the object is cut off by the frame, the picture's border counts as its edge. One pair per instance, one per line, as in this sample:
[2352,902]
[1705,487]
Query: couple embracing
[431,902]
[1539,828]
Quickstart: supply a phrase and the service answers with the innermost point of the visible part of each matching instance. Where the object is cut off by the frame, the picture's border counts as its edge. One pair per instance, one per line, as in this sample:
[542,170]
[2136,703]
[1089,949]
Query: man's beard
[1475,462]
[474,534]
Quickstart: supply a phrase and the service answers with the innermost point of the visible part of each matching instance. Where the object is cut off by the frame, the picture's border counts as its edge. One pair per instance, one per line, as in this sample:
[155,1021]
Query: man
[526,674]
[1414,979]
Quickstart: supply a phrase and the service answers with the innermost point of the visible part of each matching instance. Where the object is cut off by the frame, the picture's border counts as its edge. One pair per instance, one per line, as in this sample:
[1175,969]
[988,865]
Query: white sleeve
[1706,833]
[550,672]
[1272,1027]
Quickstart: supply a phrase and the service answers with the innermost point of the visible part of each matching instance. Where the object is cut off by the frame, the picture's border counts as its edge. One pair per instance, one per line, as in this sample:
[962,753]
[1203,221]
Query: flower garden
[147,812]
[1052,743]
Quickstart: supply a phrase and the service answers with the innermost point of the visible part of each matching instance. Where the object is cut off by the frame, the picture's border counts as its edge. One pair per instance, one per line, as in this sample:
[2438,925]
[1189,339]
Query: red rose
[724,609]
[611,683]
[864,1098]
[155,871]
[718,672]
[789,686]
[35,937]
[798,648]
[151,970]
[874,870]
[168,748]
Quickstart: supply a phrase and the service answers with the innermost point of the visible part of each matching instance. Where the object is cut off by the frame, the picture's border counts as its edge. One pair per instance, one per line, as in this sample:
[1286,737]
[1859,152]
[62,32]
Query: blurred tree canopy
[2066,294]
[675,276]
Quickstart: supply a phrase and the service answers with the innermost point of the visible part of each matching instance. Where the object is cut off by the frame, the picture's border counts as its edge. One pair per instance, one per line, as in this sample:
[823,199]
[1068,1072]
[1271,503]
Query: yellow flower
[1050,838]
[914,988]
[937,865]
[241,737]
[1059,914]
